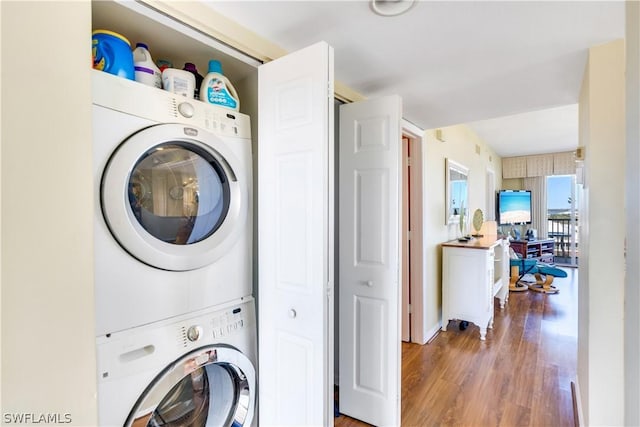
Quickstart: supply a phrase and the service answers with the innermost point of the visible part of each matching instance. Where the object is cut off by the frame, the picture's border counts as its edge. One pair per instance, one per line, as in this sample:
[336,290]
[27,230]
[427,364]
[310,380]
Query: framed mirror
[457,191]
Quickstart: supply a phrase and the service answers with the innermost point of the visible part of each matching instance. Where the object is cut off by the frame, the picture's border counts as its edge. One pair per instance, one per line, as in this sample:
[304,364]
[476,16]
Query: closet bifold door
[369,276]
[295,238]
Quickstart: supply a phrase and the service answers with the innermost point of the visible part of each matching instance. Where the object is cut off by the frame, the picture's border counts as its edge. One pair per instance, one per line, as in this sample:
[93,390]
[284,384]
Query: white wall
[460,144]
[602,218]
[48,344]
[582,380]
[632,285]
[248,92]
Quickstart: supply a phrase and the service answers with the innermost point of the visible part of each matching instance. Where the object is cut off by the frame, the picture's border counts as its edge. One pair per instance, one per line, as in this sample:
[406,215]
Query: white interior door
[295,208]
[369,282]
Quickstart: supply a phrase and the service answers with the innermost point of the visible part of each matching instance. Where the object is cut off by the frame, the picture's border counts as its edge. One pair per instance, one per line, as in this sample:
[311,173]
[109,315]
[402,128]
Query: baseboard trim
[577,404]
[433,333]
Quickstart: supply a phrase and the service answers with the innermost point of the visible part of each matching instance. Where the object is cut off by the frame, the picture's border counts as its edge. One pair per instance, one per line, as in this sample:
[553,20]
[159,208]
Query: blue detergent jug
[112,53]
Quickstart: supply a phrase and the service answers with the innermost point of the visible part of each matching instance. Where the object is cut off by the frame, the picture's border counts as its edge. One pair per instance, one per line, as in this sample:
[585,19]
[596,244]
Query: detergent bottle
[164,63]
[190,67]
[216,89]
[112,53]
[180,82]
[146,70]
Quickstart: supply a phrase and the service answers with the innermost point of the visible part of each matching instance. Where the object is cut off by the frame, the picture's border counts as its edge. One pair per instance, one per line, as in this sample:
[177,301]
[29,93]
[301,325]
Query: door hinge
[409,235]
[409,161]
[409,308]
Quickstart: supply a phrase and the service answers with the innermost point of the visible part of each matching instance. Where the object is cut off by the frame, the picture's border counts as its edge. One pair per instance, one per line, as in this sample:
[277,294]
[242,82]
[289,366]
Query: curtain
[514,167]
[564,163]
[541,165]
[538,187]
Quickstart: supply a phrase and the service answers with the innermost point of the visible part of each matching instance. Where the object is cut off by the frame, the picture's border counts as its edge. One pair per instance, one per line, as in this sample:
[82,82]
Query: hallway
[520,376]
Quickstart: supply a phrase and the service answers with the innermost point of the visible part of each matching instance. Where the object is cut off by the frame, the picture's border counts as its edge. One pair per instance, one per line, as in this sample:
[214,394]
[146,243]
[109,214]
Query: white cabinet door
[369,282]
[295,208]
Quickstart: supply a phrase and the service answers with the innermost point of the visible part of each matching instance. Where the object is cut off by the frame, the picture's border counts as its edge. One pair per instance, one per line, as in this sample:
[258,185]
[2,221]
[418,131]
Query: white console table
[473,274]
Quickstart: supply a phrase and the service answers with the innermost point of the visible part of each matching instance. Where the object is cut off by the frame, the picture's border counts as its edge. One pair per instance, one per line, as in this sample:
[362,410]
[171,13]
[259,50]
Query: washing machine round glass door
[211,386]
[175,197]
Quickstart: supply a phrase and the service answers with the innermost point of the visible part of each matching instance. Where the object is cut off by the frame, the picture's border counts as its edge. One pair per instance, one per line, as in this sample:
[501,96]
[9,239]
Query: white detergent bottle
[145,69]
[216,89]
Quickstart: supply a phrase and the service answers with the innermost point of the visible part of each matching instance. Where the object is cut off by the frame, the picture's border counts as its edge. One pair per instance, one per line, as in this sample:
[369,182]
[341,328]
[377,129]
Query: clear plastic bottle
[216,89]
[146,70]
[180,82]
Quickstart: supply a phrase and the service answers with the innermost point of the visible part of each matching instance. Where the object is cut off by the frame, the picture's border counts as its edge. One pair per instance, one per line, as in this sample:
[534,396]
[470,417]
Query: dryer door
[212,386]
[175,197]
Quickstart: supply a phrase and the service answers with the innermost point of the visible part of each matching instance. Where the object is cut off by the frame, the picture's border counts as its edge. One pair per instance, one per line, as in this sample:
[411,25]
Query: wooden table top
[485,242]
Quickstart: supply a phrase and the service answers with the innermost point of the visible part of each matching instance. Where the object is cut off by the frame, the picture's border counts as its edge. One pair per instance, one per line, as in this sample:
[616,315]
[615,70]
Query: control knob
[194,333]
[186,109]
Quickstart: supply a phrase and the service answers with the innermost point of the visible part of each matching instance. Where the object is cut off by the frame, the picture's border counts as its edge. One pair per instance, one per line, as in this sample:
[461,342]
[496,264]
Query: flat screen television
[513,207]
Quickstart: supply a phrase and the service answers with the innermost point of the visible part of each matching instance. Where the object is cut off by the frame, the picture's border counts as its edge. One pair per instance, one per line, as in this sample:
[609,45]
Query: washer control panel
[150,347]
[229,322]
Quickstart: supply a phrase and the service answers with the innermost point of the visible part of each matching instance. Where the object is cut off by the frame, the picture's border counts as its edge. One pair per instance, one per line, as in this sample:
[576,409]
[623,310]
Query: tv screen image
[514,207]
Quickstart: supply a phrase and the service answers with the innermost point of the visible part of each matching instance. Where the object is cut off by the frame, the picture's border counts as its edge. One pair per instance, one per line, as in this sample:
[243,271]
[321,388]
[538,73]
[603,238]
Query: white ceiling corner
[516,64]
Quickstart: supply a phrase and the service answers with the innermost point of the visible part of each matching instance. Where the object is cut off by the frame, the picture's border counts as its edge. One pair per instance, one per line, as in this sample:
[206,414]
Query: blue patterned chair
[544,274]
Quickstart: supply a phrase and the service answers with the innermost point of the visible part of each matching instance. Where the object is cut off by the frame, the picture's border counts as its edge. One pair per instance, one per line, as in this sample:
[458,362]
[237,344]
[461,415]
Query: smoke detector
[391,7]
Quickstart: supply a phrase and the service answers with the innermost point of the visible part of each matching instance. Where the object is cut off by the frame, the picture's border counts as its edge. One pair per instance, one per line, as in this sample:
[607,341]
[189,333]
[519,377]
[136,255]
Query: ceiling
[517,63]
[551,130]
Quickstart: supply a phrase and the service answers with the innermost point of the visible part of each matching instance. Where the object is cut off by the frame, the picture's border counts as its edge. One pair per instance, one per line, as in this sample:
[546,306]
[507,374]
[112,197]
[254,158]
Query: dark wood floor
[520,376]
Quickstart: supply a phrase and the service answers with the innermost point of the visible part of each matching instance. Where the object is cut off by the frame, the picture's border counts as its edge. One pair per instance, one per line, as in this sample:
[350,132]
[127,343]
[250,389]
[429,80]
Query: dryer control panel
[165,107]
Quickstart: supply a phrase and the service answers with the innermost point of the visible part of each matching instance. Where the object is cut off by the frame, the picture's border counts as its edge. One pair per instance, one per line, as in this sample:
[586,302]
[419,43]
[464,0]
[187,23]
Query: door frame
[418,260]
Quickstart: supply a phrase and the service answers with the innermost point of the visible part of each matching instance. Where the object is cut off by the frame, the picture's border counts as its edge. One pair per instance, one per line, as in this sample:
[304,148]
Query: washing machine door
[175,197]
[212,386]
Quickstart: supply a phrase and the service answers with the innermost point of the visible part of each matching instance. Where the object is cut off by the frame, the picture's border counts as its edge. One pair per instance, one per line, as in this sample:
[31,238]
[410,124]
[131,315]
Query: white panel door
[295,234]
[369,281]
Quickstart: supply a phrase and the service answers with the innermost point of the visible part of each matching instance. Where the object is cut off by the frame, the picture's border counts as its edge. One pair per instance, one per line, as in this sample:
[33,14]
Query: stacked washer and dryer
[175,319]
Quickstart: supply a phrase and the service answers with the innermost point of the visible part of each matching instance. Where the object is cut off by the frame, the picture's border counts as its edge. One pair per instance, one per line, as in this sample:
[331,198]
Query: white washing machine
[173,183]
[196,369]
